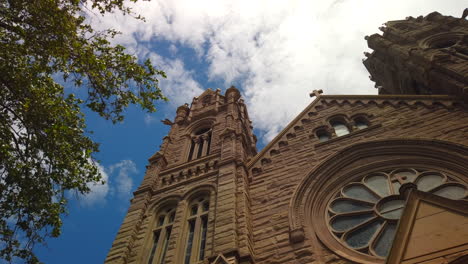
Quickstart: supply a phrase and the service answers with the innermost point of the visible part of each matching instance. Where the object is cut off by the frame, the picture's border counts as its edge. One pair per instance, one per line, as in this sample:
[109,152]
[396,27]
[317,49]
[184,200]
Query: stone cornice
[170,187]
[393,96]
[282,133]
[189,164]
[428,100]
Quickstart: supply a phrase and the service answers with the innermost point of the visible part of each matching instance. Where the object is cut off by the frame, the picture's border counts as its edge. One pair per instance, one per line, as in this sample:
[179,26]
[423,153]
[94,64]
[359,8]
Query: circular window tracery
[364,215]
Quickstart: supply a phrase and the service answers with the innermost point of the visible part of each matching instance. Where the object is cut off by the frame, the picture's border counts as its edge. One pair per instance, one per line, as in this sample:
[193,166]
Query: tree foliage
[45,150]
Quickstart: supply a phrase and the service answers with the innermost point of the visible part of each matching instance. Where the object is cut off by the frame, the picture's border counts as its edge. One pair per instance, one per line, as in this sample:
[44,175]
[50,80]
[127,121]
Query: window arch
[322,134]
[197,228]
[361,122]
[340,127]
[161,235]
[441,40]
[200,143]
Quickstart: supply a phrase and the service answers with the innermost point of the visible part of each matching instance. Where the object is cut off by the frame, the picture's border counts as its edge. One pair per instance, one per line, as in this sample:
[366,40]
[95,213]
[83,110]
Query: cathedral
[351,179]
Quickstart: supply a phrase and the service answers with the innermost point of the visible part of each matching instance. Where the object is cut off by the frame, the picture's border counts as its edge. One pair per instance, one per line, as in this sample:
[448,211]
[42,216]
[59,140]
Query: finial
[316,93]
[465,13]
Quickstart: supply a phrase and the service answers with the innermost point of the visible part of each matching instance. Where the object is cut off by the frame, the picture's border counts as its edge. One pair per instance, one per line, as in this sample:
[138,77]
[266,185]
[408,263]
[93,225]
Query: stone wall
[277,171]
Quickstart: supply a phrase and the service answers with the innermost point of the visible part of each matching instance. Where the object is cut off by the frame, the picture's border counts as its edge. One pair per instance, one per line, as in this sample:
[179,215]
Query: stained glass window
[364,215]
[161,236]
[197,230]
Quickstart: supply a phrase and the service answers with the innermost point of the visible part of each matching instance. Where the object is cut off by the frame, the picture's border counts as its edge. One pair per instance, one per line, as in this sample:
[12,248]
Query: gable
[220,259]
[444,228]
[326,107]
[431,228]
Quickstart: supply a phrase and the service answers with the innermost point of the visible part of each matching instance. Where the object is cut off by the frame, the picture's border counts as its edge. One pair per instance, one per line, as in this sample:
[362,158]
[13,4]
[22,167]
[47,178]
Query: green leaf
[45,150]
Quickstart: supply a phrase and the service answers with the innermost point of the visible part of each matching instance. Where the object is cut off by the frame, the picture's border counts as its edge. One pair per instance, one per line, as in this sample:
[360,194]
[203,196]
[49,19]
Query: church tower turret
[424,55]
[193,203]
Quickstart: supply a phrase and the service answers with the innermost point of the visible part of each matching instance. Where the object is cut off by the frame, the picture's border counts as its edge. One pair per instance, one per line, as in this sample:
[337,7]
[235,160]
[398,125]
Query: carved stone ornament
[441,40]
[296,235]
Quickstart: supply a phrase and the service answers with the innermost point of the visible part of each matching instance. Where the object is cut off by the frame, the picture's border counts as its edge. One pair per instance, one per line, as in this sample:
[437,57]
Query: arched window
[200,144]
[340,128]
[161,235]
[322,135]
[197,226]
[361,122]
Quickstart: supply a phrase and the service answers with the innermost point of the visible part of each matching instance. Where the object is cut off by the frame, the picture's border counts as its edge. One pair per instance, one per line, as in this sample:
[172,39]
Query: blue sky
[275,52]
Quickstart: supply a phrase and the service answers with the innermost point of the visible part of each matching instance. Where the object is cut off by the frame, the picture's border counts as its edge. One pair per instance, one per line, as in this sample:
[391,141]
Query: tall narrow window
[192,148]
[200,148]
[340,128]
[161,236]
[197,230]
[200,144]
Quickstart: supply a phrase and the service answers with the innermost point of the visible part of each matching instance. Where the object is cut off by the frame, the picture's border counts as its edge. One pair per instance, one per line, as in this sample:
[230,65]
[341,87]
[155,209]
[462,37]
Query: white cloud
[173,49]
[149,119]
[122,180]
[278,51]
[180,86]
[117,181]
[98,192]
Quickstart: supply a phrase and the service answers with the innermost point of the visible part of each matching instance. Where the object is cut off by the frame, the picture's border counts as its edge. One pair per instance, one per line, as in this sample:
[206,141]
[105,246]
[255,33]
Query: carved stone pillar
[196,142]
[205,139]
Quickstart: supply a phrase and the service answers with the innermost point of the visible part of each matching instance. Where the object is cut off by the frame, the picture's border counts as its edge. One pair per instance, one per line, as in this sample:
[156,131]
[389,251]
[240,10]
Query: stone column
[196,142]
[205,139]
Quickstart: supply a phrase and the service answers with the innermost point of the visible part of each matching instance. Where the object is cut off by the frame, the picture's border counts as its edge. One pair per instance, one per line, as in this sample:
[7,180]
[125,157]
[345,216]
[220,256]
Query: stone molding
[163,201]
[397,100]
[188,164]
[207,121]
[191,180]
[430,41]
[351,134]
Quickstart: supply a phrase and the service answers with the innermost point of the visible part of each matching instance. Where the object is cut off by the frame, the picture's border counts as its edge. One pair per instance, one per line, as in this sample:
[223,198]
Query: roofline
[391,96]
[281,134]
[318,98]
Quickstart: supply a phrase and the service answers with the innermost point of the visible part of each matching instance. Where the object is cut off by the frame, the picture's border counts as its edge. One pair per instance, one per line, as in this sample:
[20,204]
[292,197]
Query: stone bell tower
[423,55]
[193,203]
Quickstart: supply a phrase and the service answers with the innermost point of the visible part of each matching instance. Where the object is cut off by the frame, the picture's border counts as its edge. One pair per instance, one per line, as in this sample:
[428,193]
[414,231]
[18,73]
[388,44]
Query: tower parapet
[423,55]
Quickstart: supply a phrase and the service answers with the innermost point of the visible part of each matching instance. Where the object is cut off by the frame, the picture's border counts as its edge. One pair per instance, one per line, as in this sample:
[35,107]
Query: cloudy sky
[275,52]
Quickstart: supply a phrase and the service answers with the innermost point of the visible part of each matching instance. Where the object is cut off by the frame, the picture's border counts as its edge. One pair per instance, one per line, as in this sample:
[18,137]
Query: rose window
[364,215]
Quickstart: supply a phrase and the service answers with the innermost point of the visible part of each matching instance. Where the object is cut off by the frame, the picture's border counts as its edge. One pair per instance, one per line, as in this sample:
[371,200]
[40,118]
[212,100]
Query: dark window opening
[192,148]
[323,135]
[200,148]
